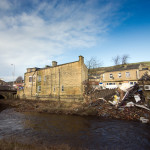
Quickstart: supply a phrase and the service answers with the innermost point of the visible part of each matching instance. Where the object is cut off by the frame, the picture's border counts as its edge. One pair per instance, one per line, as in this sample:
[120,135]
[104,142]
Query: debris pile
[122,103]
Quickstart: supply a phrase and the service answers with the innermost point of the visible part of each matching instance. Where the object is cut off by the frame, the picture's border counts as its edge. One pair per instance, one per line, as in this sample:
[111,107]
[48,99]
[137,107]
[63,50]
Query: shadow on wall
[2,97]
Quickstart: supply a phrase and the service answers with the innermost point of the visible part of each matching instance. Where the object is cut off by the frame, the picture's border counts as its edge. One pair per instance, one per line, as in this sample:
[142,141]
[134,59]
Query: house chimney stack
[81,59]
[54,63]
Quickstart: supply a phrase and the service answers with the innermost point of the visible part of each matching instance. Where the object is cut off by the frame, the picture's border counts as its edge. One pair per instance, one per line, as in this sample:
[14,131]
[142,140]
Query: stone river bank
[98,108]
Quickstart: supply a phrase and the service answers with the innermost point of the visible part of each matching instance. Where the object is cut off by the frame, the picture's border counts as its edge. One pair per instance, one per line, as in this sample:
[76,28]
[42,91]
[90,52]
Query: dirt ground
[48,107]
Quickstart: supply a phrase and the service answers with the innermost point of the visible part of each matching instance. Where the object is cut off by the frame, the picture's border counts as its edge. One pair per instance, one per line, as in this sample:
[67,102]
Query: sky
[33,33]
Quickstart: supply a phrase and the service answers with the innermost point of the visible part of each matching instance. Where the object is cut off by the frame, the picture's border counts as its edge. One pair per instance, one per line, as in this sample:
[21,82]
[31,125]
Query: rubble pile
[91,94]
[105,109]
[122,103]
[106,94]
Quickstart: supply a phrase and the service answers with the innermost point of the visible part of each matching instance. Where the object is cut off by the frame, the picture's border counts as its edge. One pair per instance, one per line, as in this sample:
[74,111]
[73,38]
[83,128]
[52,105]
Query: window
[44,78]
[30,78]
[144,68]
[62,88]
[127,74]
[39,78]
[147,87]
[131,83]
[119,75]
[111,83]
[111,76]
[120,83]
[39,88]
[54,89]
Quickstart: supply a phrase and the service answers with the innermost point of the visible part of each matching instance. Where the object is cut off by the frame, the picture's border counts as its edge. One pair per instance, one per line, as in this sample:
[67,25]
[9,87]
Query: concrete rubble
[126,103]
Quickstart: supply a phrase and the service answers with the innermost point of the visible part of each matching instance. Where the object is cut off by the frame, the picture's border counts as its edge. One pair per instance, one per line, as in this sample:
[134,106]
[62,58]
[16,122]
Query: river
[87,132]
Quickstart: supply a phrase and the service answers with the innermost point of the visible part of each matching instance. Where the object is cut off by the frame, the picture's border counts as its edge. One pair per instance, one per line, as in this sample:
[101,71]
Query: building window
[54,89]
[144,68]
[111,83]
[111,76]
[62,88]
[39,88]
[120,83]
[131,83]
[44,78]
[30,78]
[119,75]
[39,78]
[127,74]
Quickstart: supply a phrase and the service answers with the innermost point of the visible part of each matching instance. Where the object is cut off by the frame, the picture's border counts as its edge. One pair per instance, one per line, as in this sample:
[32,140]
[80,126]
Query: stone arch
[2,96]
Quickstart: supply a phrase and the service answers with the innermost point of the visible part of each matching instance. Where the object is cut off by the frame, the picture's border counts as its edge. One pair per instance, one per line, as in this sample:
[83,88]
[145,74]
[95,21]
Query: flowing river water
[87,132]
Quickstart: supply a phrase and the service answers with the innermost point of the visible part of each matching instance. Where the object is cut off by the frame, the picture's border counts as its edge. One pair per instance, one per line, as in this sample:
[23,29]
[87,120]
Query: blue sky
[33,33]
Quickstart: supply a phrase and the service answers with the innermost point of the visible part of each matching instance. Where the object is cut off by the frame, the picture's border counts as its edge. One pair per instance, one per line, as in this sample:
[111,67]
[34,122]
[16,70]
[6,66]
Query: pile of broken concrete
[126,103]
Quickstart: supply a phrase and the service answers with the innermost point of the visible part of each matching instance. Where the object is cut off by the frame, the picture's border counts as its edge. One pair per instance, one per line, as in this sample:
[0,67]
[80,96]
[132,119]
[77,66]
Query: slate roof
[124,67]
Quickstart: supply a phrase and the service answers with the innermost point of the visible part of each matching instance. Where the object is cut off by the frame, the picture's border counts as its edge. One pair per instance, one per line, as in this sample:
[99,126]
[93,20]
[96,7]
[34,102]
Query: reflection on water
[77,131]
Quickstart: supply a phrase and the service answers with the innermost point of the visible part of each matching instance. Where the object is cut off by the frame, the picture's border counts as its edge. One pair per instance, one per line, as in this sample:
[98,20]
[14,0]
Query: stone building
[56,82]
[124,74]
[2,82]
[144,83]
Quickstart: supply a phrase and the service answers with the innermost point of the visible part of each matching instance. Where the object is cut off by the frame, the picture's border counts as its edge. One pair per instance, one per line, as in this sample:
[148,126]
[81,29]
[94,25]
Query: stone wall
[62,82]
[132,77]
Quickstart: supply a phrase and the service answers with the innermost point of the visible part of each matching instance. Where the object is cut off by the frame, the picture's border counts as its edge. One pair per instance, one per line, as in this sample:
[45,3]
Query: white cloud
[31,37]
[4,5]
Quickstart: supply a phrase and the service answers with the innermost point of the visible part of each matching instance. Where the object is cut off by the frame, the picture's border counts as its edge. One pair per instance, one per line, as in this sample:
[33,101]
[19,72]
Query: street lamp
[13,73]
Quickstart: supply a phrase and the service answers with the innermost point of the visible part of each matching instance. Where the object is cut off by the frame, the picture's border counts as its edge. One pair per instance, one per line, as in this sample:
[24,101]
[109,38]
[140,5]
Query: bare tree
[19,79]
[116,60]
[93,63]
[124,59]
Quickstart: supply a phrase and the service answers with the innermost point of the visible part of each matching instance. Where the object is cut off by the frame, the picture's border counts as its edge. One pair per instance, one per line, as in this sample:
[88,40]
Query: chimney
[81,59]
[124,65]
[54,63]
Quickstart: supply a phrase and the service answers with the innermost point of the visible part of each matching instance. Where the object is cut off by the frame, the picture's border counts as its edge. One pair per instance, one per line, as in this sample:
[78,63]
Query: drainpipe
[32,82]
[51,83]
[59,84]
[138,76]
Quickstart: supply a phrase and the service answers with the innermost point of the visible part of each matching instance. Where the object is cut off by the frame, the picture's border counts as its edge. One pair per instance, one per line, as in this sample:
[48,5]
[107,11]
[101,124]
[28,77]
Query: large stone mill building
[56,82]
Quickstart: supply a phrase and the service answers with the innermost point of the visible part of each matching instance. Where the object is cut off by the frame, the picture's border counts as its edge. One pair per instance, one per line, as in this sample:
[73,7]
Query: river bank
[11,144]
[98,108]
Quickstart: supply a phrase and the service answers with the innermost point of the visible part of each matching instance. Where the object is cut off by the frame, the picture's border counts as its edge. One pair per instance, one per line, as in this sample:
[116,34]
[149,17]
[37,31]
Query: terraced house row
[124,74]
